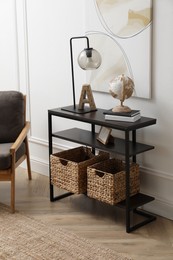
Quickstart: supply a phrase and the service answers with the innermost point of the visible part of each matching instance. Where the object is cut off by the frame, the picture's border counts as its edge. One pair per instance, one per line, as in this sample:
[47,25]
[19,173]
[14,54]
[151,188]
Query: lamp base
[76,110]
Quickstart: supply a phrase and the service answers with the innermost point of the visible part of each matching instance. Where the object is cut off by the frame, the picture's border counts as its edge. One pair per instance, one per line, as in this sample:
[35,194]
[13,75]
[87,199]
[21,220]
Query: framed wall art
[122,32]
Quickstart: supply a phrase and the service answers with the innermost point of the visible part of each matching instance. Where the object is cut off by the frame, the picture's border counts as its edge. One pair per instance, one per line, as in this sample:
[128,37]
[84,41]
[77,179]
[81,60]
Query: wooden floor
[94,220]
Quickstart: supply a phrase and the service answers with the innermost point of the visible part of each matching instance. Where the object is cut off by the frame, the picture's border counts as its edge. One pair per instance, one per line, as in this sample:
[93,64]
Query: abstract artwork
[121,30]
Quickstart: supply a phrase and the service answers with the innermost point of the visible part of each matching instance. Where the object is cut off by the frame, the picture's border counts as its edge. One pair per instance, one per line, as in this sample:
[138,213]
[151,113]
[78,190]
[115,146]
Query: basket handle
[63,162]
[100,174]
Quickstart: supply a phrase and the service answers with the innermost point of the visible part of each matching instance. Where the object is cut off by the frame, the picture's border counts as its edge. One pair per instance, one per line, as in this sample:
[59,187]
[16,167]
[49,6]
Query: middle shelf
[88,138]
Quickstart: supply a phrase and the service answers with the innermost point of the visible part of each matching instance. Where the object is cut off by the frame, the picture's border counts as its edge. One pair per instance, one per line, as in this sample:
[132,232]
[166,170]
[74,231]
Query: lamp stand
[86,93]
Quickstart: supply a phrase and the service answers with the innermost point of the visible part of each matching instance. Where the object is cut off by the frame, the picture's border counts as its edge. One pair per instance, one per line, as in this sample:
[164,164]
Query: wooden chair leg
[13,192]
[28,160]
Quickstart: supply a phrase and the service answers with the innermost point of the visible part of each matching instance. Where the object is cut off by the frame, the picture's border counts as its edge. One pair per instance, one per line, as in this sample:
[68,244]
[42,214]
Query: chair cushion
[12,115]
[5,156]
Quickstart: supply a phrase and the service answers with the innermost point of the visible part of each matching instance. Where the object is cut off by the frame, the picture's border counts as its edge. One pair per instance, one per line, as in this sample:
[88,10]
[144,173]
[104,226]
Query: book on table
[131,116]
[131,113]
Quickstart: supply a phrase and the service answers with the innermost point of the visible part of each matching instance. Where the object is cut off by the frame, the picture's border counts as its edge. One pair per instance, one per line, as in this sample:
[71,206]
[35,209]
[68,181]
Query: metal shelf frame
[128,147]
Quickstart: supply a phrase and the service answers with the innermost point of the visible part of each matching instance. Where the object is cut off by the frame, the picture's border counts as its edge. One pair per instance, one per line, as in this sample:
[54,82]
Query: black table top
[98,118]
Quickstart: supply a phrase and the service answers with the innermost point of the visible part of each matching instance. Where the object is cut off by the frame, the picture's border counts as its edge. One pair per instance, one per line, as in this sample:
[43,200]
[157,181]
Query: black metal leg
[52,198]
[51,192]
[93,132]
[127,170]
[149,218]
[134,143]
[64,195]
[50,152]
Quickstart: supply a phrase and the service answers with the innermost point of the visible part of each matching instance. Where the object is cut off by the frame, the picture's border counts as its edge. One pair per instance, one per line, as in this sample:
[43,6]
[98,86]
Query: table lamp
[88,59]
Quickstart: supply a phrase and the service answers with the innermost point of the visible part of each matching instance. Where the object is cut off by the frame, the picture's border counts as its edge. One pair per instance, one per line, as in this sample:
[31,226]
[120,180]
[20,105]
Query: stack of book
[131,116]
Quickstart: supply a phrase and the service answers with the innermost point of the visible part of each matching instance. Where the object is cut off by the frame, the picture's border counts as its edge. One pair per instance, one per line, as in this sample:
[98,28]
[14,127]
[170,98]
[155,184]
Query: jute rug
[24,238]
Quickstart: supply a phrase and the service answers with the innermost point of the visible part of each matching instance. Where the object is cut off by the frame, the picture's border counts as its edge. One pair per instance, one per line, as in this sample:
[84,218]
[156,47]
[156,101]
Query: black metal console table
[128,147]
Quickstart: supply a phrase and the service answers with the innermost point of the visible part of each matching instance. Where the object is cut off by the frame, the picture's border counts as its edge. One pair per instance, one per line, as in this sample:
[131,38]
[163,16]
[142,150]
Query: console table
[127,146]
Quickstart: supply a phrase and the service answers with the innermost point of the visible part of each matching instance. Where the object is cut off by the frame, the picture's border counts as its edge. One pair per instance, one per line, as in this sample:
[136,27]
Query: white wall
[35,58]
[8,46]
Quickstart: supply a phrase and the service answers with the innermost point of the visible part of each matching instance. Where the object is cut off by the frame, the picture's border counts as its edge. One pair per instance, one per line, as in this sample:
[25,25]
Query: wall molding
[38,165]
[157,173]
[41,166]
[43,142]
[36,140]
[160,207]
[151,181]
[17,45]
[23,51]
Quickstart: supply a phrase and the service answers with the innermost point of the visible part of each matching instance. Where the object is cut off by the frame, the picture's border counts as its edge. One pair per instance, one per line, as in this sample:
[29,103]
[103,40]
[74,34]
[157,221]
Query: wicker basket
[106,181]
[69,168]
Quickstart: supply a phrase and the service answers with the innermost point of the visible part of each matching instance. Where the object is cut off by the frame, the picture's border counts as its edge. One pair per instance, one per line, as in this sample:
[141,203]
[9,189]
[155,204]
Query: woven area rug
[24,238]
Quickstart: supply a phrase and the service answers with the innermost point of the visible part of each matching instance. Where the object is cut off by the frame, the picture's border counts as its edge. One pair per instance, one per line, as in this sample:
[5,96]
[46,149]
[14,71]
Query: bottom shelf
[136,201]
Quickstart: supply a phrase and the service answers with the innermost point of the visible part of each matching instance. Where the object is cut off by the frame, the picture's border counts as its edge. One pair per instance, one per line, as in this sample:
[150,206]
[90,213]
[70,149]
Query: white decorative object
[121,88]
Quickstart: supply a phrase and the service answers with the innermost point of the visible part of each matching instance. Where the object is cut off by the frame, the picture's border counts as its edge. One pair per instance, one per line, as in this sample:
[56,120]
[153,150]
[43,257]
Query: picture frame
[104,135]
[115,29]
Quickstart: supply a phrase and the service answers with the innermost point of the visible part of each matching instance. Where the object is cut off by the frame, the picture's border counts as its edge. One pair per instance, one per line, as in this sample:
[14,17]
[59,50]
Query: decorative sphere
[121,88]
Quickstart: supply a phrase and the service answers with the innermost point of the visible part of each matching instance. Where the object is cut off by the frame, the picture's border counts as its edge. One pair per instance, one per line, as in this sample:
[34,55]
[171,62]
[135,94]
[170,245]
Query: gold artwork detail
[134,16]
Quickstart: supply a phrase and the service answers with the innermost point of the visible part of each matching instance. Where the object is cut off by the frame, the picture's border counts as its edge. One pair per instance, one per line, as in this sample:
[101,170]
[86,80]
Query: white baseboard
[41,167]
[159,185]
[160,208]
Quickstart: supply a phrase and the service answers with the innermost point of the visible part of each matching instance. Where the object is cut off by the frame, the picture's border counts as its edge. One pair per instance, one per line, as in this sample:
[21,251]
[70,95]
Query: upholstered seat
[5,155]
[14,147]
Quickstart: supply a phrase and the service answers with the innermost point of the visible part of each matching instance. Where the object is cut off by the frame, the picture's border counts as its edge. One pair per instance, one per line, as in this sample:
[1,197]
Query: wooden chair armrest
[20,138]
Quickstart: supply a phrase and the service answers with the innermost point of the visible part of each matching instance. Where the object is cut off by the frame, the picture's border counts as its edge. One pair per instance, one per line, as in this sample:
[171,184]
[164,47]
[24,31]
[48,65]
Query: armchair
[14,128]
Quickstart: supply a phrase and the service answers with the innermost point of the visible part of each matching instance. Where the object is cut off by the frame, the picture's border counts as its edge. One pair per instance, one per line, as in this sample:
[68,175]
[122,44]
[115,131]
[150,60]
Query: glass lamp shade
[89,59]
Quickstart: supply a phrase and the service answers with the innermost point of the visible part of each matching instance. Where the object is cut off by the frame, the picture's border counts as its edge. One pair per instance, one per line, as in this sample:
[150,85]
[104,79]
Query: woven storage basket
[106,181]
[69,168]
